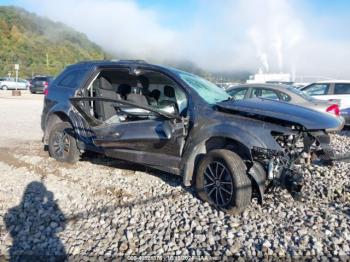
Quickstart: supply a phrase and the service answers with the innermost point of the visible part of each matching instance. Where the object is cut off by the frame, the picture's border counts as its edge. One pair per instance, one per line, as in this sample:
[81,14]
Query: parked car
[282,93]
[180,123]
[39,84]
[336,91]
[10,83]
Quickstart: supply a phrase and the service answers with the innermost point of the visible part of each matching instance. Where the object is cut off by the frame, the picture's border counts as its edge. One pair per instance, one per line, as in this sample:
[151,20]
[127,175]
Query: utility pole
[16,69]
[16,92]
[47,62]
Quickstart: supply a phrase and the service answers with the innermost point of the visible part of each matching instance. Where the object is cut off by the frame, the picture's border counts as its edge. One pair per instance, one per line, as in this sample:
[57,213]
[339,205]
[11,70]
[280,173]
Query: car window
[265,93]
[40,79]
[211,93]
[72,78]
[317,89]
[284,97]
[161,91]
[238,93]
[341,89]
[301,94]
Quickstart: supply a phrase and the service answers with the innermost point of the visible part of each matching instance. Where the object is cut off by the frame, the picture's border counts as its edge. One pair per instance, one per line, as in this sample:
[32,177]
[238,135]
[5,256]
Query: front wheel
[62,143]
[222,181]
[4,87]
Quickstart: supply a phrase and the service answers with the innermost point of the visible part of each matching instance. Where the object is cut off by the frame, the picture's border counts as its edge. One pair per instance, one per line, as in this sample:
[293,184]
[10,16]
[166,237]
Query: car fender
[56,113]
[258,177]
[196,145]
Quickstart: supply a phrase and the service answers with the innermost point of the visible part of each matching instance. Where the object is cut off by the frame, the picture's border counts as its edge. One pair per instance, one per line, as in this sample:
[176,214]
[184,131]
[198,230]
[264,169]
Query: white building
[269,77]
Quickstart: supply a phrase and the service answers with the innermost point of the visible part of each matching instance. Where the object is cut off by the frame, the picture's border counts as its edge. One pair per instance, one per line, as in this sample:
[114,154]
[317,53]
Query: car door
[318,90]
[239,93]
[11,83]
[157,140]
[22,83]
[340,93]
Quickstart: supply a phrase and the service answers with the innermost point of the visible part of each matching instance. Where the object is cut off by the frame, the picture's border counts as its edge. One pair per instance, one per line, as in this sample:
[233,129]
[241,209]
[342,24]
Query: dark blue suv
[180,123]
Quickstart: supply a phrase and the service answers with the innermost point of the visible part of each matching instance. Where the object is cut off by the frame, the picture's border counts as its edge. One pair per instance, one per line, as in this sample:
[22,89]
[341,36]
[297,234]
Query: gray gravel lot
[20,117]
[103,208]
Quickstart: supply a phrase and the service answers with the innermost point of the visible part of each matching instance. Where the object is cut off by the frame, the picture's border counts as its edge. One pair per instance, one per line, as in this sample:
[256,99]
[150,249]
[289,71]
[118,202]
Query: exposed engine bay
[299,148]
[301,138]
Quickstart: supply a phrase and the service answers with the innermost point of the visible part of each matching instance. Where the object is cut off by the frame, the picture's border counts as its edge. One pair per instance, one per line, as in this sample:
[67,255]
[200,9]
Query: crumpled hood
[286,112]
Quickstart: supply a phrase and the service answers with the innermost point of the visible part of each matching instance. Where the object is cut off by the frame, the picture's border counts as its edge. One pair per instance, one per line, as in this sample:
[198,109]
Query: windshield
[205,89]
[301,93]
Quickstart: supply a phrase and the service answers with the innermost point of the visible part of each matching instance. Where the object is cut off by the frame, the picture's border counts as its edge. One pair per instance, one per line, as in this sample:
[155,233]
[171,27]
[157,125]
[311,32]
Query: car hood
[277,111]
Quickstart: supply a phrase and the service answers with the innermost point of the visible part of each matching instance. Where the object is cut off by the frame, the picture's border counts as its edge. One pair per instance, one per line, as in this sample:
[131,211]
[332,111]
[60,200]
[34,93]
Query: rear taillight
[46,88]
[333,109]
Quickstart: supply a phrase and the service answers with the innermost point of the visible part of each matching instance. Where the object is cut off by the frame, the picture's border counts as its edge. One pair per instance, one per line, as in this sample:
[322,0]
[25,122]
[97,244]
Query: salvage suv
[182,124]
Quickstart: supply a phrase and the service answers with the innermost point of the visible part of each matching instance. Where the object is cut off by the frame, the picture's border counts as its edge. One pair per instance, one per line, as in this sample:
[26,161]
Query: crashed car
[180,123]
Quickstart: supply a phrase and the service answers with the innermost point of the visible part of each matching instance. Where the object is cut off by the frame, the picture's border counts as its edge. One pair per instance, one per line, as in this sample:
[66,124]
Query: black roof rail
[139,61]
[87,62]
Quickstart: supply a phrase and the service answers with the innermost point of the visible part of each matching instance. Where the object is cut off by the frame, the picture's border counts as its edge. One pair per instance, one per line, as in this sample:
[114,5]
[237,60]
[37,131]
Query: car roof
[98,63]
[39,76]
[108,62]
[271,86]
[333,81]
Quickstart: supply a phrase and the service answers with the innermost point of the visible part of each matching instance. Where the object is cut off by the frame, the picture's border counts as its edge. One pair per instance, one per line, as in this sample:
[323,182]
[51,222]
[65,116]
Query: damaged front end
[298,148]
[292,136]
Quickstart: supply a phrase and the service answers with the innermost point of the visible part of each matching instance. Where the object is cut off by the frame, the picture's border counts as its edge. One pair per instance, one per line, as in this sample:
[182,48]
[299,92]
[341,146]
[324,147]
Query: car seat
[103,109]
[136,97]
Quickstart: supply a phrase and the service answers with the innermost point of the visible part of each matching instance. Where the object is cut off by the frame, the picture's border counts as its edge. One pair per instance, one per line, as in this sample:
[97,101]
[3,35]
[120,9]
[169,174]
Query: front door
[153,138]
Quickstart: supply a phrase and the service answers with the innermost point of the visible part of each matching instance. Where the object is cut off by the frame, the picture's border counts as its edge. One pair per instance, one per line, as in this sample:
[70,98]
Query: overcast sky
[309,37]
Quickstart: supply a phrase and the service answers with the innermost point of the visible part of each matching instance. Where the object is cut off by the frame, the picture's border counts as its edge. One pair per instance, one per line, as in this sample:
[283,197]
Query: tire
[62,143]
[227,187]
[4,88]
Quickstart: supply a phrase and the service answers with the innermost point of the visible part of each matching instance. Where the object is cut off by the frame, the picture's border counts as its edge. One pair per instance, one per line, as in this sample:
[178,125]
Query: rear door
[157,140]
[341,92]
[265,93]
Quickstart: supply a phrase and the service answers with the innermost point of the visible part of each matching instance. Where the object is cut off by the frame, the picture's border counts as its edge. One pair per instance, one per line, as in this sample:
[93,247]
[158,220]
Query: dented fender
[252,135]
[258,177]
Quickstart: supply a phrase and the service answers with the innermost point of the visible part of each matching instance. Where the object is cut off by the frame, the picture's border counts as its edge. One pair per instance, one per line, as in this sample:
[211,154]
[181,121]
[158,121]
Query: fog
[271,35]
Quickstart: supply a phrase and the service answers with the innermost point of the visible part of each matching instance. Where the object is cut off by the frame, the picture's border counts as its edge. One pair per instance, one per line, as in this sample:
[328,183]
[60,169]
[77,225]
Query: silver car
[282,93]
[10,83]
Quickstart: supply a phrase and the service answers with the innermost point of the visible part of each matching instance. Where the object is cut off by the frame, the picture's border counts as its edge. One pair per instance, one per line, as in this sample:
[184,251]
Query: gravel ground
[20,118]
[102,208]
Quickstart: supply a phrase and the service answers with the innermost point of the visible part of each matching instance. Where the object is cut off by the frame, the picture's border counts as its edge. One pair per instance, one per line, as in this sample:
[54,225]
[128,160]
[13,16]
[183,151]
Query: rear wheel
[222,181]
[62,143]
[4,87]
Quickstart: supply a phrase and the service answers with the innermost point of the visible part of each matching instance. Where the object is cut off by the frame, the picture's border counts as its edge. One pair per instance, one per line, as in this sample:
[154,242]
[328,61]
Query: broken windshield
[205,89]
